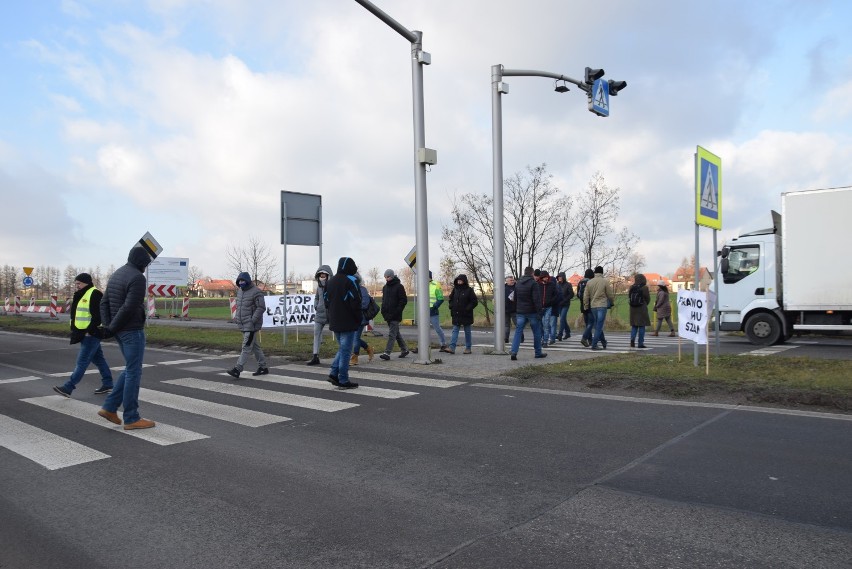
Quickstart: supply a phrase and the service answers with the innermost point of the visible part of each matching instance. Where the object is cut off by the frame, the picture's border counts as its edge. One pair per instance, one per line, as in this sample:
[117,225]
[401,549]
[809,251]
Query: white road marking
[314,403]
[178,362]
[162,434]
[19,379]
[768,351]
[386,377]
[237,415]
[51,451]
[326,386]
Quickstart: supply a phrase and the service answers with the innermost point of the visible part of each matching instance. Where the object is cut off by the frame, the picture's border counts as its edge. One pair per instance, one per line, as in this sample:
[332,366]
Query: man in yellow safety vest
[85,324]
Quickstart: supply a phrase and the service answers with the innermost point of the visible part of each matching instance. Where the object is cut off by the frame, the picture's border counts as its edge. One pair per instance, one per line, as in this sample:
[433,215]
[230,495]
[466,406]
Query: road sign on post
[599,103]
[708,189]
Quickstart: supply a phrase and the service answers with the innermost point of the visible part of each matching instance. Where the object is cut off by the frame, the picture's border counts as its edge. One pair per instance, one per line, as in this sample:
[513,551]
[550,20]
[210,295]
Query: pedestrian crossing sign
[708,189]
[599,98]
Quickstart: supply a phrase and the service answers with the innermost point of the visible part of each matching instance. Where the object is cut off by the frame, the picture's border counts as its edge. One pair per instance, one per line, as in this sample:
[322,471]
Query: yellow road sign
[28,270]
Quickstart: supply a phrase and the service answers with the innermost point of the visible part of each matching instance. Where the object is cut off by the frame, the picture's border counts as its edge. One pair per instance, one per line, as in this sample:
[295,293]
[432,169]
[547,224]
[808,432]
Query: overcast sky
[187,118]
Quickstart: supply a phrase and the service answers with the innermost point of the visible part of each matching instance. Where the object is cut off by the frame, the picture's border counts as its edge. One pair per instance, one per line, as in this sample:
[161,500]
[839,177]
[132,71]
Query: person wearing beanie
[343,300]
[588,319]
[249,318]
[598,298]
[123,316]
[85,330]
[394,299]
[436,299]
[320,313]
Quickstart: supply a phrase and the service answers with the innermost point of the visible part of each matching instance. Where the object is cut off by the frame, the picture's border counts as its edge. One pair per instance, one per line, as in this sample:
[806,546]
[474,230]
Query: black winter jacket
[511,305]
[462,302]
[394,300]
[528,296]
[550,296]
[123,305]
[566,290]
[343,298]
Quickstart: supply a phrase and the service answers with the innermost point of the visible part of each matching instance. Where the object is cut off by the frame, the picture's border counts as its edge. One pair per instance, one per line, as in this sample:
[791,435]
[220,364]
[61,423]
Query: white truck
[796,275]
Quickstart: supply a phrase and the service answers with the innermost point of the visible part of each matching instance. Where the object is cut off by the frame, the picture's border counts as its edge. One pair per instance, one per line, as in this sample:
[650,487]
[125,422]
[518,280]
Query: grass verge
[783,381]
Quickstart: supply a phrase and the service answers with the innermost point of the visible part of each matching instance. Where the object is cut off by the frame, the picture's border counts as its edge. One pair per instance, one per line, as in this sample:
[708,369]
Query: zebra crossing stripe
[178,362]
[162,434]
[245,417]
[387,377]
[314,403]
[326,386]
[768,351]
[19,379]
[51,451]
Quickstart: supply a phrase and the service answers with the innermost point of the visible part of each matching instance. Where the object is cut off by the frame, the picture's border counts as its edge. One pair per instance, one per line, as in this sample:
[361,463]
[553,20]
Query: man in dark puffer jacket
[123,316]
[528,295]
[343,300]
[394,300]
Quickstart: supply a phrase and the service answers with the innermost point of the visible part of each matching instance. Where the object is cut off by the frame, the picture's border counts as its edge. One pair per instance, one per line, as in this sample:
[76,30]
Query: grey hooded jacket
[319,297]
[250,306]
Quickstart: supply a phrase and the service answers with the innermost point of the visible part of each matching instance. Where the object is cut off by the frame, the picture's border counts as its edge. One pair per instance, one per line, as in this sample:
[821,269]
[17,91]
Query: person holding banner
[320,314]
[249,318]
[343,299]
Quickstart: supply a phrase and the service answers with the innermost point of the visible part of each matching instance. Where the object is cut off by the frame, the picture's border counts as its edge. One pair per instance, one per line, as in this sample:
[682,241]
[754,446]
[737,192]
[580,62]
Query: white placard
[169,271]
[693,314]
[299,311]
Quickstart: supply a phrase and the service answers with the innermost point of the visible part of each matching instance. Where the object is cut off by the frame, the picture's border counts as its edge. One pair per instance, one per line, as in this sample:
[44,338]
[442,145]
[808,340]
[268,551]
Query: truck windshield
[742,261]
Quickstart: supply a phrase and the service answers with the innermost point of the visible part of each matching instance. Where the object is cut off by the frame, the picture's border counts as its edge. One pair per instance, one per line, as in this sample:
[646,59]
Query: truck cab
[750,287]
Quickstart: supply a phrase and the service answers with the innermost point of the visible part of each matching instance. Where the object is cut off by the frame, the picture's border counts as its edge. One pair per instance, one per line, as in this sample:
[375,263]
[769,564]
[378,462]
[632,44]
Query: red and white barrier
[17,305]
[6,306]
[233,302]
[152,307]
[67,308]
[162,290]
[53,306]
[184,313]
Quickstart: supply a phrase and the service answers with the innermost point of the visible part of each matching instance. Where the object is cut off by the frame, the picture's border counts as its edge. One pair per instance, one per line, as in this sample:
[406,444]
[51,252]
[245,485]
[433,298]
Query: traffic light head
[615,87]
[593,75]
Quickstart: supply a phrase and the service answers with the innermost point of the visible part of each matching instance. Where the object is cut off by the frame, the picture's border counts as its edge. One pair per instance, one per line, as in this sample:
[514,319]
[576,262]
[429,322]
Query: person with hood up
[249,318]
[394,300]
[588,319]
[528,297]
[462,302]
[639,318]
[567,292]
[123,316]
[550,299]
[85,323]
[663,308]
[320,312]
[343,300]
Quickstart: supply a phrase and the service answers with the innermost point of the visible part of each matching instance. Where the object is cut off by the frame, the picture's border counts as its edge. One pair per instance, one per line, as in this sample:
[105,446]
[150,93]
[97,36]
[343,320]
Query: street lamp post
[422,157]
[597,93]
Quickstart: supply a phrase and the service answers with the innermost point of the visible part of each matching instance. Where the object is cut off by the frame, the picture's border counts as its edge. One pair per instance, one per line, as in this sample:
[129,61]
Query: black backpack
[634,296]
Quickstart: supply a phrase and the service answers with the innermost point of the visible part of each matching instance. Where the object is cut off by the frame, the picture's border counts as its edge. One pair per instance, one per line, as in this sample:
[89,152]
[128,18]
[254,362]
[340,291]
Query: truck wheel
[763,329]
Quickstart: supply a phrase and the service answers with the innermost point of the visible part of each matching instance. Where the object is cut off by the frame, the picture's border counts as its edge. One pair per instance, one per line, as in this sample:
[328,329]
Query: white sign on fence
[169,271]
[298,312]
[693,313]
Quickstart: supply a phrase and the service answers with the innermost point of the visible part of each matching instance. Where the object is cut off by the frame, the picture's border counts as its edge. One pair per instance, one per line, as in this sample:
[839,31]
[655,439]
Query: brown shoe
[655,333]
[353,361]
[672,334]
[370,353]
[109,416]
[140,424]
[466,351]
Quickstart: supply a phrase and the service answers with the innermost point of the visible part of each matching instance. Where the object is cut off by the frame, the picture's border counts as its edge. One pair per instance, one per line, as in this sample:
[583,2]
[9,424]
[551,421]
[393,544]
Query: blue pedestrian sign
[599,103]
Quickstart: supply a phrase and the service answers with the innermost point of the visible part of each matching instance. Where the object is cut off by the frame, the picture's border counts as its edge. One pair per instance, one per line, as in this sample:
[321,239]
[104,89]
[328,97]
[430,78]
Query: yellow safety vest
[435,293]
[83,316]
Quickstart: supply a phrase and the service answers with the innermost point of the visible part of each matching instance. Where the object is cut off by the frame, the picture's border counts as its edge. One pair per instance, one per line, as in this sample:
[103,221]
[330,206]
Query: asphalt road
[425,470]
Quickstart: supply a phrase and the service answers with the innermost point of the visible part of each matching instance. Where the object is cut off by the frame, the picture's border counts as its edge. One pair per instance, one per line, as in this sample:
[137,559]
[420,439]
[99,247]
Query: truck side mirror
[723,265]
[724,252]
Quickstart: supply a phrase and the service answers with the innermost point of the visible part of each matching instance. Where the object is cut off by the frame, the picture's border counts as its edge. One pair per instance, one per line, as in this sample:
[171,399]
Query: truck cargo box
[817,249]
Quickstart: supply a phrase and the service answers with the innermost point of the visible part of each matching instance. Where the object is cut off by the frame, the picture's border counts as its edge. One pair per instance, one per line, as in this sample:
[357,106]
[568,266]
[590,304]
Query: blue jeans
[564,328]
[547,331]
[455,337]
[340,365]
[535,323]
[641,331]
[90,352]
[589,319]
[359,343]
[600,318]
[435,321]
[126,391]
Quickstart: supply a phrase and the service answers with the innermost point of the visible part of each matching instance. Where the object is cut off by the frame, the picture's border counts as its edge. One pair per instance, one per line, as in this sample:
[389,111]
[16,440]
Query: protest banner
[299,310]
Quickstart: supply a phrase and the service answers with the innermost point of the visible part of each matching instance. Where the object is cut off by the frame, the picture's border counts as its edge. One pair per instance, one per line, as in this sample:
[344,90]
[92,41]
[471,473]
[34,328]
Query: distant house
[575,280]
[214,288]
[684,279]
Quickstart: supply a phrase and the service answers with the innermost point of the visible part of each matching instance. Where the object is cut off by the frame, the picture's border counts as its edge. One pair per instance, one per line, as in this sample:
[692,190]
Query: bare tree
[194,275]
[255,259]
[373,279]
[406,276]
[597,211]
[9,280]
[448,270]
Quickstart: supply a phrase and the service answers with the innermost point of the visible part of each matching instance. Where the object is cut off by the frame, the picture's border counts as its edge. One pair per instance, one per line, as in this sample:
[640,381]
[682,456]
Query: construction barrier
[17,305]
[53,306]
[184,313]
[152,307]
[233,302]
[67,305]
[6,306]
